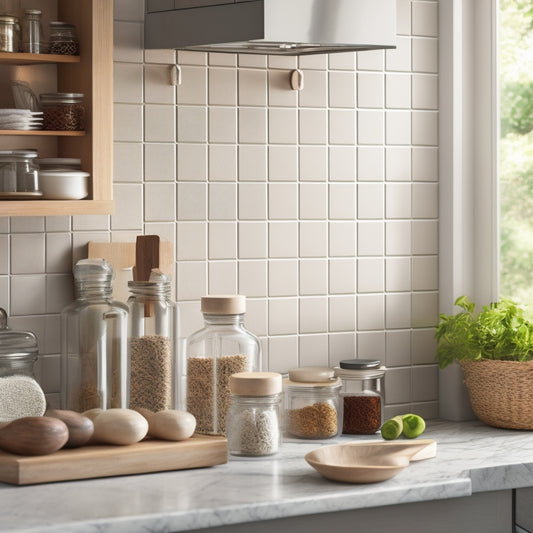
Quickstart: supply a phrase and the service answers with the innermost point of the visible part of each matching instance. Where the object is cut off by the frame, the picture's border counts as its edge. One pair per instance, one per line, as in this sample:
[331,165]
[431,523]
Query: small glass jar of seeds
[153,346]
[362,395]
[253,418]
[311,403]
[221,348]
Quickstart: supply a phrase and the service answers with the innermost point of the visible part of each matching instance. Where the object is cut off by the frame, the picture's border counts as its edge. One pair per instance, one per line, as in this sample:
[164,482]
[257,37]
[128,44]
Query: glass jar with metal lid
[63,39]
[18,173]
[20,394]
[9,34]
[311,403]
[362,395]
[63,111]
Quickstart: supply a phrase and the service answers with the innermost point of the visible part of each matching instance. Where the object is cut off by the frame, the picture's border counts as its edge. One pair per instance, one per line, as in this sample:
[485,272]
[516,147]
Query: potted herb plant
[495,350]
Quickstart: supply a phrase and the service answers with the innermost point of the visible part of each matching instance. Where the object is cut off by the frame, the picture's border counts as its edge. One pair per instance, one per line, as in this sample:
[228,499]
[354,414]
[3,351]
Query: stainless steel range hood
[280,27]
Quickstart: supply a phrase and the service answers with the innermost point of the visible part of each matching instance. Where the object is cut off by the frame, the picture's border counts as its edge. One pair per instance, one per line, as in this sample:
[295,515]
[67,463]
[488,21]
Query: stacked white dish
[61,179]
[20,119]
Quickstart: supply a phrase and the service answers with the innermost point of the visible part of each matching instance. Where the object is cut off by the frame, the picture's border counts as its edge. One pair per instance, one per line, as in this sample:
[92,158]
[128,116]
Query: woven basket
[501,392]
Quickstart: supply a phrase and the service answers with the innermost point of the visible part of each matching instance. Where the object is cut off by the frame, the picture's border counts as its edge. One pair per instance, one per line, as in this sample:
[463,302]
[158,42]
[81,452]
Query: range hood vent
[277,27]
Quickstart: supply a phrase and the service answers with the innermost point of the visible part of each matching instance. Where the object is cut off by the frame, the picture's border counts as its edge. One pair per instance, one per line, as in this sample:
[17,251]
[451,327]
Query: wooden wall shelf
[43,133]
[10,58]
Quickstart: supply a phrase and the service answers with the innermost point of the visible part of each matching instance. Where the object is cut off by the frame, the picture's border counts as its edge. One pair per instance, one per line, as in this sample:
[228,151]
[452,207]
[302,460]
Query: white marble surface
[470,457]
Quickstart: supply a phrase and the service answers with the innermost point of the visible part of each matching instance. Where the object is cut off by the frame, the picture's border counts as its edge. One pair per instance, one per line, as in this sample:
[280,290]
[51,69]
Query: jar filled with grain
[221,348]
[362,395]
[94,342]
[311,403]
[253,417]
[153,344]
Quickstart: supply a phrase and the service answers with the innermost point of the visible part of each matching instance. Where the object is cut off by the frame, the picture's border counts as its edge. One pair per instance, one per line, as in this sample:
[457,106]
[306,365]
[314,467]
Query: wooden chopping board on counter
[107,460]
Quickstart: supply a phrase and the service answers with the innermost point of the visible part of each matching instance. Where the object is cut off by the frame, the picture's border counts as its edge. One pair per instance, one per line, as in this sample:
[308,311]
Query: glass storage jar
[221,348]
[311,403]
[32,32]
[362,395]
[63,39]
[9,34]
[94,342]
[20,394]
[153,347]
[19,173]
[253,417]
[63,111]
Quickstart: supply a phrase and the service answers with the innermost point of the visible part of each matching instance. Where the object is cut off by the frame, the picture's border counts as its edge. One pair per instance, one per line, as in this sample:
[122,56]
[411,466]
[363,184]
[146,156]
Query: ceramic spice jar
[362,395]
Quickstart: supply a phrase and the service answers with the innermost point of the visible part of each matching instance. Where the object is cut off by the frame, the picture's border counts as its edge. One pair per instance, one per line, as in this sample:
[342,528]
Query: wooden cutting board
[105,460]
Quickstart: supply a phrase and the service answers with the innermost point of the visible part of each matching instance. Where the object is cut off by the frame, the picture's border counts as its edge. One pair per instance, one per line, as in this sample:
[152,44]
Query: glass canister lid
[234,304]
[93,270]
[312,376]
[16,344]
[360,368]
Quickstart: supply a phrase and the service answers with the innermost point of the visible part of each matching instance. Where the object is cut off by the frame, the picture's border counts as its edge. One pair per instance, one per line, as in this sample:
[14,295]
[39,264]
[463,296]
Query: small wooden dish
[368,462]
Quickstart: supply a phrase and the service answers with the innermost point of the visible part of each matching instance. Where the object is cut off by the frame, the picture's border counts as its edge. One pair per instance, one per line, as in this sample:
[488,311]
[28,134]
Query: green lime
[413,425]
[392,428]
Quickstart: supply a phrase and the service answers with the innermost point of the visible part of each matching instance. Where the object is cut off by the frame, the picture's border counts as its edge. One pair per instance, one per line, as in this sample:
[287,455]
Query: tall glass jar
[94,342]
[253,418]
[153,344]
[32,32]
[362,395]
[221,348]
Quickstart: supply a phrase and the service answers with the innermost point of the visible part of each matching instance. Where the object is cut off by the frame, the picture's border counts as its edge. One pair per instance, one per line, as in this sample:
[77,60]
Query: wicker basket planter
[501,392]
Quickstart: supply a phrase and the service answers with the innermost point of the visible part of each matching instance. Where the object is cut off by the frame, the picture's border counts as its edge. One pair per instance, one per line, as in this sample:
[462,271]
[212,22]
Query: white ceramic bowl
[62,185]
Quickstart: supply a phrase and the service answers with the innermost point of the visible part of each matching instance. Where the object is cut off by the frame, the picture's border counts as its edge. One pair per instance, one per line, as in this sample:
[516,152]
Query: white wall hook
[297,79]
[175,75]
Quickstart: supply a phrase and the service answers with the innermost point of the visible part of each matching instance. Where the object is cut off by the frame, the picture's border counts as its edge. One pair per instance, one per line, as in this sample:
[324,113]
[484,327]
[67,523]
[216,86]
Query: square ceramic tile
[283,163]
[403,17]
[191,241]
[371,345]
[370,275]
[253,278]
[425,18]
[342,163]
[54,223]
[192,162]
[342,201]
[128,83]
[342,276]
[4,253]
[186,57]
[252,239]
[282,239]
[165,57]
[314,163]
[342,89]
[425,200]
[424,346]
[399,58]
[282,62]
[257,322]
[191,280]
[253,162]
[370,90]
[222,163]
[127,10]
[341,346]
[425,309]
[282,126]
[193,88]
[370,127]
[342,239]
[398,163]
[397,274]
[313,201]
[425,163]
[283,278]
[369,60]
[252,201]
[425,128]
[222,277]
[222,127]
[313,315]
[342,125]
[159,162]
[192,201]
[398,237]
[398,91]
[59,292]
[314,61]
[342,61]
[222,59]
[398,310]
[128,207]
[425,91]
[370,201]
[398,200]
[252,60]
[27,224]
[398,127]
[370,163]
[283,201]
[4,293]
[425,383]
[252,125]
[157,89]
[313,276]
[279,89]
[342,313]
[313,350]
[370,238]
[426,273]
[282,316]
[398,348]
[313,126]
[370,312]
[90,222]
[192,124]
[252,87]
[313,239]
[159,202]
[28,295]
[159,123]
[315,91]
[222,86]
[282,353]
[127,162]
[425,237]
[127,122]
[398,385]
[128,41]
[425,55]
[222,201]
[28,254]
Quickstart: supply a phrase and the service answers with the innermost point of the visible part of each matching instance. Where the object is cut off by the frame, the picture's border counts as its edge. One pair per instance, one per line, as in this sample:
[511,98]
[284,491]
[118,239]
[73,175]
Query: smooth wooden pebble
[171,424]
[80,428]
[92,413]
[120,426]
[34,435]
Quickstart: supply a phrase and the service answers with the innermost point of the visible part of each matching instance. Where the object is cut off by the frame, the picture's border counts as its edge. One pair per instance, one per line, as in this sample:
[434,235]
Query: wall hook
[175,75]
[297,79]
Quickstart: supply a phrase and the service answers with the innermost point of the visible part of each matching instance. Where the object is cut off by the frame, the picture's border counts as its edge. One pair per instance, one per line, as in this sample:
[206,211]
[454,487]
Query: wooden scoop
[146,258]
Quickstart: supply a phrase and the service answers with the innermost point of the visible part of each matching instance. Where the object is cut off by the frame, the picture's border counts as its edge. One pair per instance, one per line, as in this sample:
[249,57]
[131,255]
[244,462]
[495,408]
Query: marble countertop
[471,457]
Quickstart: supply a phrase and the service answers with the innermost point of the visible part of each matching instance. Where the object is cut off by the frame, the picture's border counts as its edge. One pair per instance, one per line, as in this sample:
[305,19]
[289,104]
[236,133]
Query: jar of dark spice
[64,39]
[362,395]
[311,403]
[63,111]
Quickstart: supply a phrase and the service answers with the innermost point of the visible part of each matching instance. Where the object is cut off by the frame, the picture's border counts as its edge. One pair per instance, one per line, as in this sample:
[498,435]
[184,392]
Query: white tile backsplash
[320,205]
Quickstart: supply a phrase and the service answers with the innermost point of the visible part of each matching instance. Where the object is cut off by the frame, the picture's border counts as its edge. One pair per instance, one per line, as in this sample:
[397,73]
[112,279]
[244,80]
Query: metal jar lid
[61,98]
[360,369]
[7,19]
[16,344]
[10,155]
